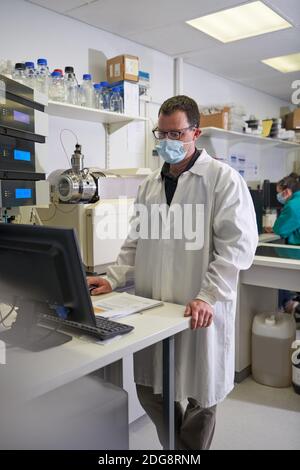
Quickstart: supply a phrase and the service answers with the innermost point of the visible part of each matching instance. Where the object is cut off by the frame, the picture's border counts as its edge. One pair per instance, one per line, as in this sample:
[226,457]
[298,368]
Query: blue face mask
[172,151]
[280,198]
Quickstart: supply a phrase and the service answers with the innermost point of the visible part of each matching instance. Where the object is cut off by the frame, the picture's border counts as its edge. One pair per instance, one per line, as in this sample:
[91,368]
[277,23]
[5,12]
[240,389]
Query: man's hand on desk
[102,286]
[201,313]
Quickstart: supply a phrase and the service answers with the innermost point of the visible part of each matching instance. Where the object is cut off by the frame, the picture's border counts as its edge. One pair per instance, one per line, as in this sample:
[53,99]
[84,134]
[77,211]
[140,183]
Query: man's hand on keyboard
[98,285]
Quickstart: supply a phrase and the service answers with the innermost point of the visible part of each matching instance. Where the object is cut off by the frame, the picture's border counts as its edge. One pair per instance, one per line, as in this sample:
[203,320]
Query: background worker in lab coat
[204,279]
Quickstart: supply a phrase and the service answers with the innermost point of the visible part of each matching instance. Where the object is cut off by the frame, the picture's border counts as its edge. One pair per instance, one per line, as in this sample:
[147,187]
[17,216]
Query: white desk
[268,237]
[28,375]
[258,293]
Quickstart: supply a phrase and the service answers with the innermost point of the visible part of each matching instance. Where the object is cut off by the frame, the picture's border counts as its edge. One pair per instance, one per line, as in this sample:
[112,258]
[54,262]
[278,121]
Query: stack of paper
[123,305]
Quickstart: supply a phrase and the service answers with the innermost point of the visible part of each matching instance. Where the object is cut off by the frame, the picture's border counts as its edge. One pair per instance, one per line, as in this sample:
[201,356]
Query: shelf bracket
[107,146]
[115,126]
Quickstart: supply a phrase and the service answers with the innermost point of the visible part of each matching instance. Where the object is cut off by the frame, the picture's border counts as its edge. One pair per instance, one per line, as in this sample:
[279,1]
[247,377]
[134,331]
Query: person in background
[287,225]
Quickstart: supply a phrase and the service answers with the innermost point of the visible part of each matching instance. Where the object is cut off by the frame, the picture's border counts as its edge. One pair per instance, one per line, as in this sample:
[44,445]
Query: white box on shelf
[130,95]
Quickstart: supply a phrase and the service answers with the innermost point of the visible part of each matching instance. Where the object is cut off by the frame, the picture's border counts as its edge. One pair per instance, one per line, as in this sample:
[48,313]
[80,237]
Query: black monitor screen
[273,197]
[278,252]
[42,265]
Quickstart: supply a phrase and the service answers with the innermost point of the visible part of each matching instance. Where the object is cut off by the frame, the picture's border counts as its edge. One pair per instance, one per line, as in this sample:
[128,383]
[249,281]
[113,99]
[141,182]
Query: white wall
[208,89]
[64,41]
[28,32]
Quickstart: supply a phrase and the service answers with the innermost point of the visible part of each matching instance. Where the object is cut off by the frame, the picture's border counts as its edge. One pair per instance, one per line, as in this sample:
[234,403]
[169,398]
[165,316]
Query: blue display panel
[23,193]
[21,117]
[22,155]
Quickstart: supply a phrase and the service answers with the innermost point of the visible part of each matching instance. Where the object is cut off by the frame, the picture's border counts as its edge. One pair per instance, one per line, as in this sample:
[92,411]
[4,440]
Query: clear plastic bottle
[99,101]
[88,91]
[57,88]
[30,74]
[19,73]
[42,76]
[80,100]
[6,68]
[71,86]
[116,101]
[106,93]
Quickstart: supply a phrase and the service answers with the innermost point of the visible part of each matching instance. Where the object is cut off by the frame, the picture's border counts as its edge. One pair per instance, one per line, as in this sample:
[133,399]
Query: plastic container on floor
[272,338]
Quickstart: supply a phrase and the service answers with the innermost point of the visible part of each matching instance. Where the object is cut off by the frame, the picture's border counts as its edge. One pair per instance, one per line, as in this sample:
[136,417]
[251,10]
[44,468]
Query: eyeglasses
[174,135]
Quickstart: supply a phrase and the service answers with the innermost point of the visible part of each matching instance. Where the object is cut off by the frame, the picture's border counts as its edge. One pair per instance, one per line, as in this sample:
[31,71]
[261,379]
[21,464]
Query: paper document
[122,305]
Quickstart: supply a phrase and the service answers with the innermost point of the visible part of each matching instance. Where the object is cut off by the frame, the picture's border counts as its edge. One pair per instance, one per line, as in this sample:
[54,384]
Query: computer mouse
[92,287]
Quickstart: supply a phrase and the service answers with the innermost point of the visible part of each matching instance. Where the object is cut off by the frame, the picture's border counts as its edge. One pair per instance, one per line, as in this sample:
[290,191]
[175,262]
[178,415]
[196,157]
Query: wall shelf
[243,137]
[82,113]
[112,121]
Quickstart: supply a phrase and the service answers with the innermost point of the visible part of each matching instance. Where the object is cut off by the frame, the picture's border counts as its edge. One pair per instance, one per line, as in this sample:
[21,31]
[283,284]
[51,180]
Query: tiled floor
[252,417]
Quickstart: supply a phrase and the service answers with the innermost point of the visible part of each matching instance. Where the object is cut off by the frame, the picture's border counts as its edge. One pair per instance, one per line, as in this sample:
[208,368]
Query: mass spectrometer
[97,203]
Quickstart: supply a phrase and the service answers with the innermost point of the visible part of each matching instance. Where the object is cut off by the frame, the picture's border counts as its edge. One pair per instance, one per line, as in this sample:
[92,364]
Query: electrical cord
[62,144]
[2,319]
[34,217]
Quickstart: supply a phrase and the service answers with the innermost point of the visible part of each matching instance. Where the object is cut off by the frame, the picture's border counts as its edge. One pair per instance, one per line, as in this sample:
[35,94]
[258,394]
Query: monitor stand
[27,334]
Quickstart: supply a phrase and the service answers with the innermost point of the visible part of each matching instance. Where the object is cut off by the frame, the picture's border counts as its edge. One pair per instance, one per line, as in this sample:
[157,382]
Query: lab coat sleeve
[288,222]
[122,272]
[235,238]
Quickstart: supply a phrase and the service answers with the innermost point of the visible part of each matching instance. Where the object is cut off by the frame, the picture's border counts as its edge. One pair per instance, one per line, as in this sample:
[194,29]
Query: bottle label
[296,376]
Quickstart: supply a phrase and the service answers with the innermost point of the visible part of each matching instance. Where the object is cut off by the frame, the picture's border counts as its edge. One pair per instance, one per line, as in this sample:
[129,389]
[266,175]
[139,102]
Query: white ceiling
[160,24]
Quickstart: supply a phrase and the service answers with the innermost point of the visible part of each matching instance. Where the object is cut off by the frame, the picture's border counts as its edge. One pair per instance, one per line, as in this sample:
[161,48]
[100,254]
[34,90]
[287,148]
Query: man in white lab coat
[201,273]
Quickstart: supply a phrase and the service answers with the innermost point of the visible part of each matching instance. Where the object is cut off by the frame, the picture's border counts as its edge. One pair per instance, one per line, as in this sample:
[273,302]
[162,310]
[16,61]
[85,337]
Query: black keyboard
[104,328]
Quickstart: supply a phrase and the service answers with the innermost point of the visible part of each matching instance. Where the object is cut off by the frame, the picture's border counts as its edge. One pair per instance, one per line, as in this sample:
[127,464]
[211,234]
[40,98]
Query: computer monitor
[270,195]
[257,198]
[41,272]
[273,197]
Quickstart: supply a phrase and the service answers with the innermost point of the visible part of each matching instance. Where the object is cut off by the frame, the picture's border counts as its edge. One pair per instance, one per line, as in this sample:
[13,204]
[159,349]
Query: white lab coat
[164,269]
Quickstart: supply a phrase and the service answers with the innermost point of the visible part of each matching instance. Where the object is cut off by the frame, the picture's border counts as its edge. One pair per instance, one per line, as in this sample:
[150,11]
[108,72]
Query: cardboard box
[292,120]
[219,120]
[122,67]
[130,95]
